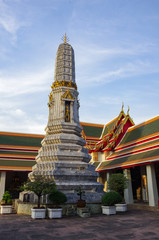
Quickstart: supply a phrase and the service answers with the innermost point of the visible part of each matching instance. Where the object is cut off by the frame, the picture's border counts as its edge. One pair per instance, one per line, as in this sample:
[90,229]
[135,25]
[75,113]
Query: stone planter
[6,209]
[81,203]
[121,207]
[54,212]
[108,210]
[38,213]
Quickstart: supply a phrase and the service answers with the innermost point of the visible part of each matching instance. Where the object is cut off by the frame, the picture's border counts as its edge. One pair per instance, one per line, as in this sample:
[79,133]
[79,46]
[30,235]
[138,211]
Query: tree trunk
[39,201]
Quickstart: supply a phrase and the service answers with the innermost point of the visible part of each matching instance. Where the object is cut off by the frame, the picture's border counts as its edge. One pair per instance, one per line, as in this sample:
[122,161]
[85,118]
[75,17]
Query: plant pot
[81,203]
[54,212]
[38,213]
[6,209]
[121,207]
[109,210]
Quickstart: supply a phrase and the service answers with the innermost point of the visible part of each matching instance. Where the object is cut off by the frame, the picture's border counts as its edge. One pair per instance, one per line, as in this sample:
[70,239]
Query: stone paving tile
[134,224]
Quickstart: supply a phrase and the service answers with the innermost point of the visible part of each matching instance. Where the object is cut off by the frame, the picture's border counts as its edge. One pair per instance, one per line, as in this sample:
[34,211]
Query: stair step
[83,212]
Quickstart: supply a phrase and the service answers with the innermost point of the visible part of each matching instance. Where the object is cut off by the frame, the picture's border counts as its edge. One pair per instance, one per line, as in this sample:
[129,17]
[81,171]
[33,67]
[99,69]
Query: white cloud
[9,20]
[19,121]
[126,69]
[19,113]
[94,53]
[23,83]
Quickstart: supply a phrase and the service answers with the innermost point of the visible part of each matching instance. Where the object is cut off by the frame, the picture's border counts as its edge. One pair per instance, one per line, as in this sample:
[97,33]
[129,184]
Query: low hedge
[111,198]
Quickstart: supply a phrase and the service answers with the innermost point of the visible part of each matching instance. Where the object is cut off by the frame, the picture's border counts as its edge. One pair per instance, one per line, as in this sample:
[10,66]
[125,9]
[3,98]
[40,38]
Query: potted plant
[109,199]
[40,185]
[81,203]
[6,203]
[118,182]
[56,198]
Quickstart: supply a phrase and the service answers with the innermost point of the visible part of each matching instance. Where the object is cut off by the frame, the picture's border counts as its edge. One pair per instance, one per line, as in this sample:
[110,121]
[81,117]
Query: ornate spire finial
[128,110]
[122,107]
[65,38]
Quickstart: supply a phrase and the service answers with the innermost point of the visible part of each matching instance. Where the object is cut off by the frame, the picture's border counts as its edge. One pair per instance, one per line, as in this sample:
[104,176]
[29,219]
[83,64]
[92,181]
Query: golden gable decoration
[67,95]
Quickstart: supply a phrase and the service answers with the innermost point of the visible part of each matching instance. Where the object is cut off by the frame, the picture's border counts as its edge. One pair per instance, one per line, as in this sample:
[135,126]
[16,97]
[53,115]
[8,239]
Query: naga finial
[128,110]
[122,107]
[65,38]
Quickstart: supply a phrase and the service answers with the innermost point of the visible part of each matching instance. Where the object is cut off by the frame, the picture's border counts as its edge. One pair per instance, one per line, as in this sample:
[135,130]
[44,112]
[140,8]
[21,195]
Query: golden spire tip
[65,39]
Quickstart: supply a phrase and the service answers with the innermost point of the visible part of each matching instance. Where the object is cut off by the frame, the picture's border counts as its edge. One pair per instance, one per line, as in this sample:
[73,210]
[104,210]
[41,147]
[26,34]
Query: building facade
[18,152]
[133,150]
[137,155]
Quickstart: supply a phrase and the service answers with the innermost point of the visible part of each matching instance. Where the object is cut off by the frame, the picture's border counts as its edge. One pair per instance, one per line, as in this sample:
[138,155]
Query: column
[152,185]
[106,184]
[128,195]
[2,183]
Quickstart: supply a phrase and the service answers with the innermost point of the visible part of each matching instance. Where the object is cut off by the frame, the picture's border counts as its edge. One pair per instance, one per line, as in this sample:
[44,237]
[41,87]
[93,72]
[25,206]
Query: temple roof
[92,130]
[20,139]
[18,150]
[108,126]
[139,146]
[114,131]
[142,130]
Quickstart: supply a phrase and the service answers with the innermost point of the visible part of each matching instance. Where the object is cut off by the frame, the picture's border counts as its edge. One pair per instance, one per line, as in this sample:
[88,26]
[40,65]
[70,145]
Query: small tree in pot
[81,193]
[56,198]
[109,199]
[6,203]
[40,185]
[6,199]
[118,182]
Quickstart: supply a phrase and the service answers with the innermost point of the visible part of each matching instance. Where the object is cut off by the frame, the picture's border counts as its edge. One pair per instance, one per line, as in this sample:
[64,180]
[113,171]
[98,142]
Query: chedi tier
[62,156]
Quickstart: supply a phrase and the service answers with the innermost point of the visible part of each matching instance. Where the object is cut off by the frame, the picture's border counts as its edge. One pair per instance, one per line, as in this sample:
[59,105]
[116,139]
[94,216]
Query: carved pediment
[67,95]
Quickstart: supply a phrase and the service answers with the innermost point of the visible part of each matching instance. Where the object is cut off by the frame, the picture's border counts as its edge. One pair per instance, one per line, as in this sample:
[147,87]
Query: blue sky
[116,44]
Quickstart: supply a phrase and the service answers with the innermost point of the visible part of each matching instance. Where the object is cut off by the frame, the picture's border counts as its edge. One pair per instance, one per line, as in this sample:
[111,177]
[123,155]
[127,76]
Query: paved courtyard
[134,224]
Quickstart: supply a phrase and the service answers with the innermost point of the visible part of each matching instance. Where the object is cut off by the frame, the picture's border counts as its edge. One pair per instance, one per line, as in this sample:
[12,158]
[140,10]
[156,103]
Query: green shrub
[57,198]
[117,182]
[7,198]
[111,198]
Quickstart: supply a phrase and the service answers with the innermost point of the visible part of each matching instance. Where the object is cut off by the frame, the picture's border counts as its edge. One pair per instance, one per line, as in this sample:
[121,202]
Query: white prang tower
[62,156]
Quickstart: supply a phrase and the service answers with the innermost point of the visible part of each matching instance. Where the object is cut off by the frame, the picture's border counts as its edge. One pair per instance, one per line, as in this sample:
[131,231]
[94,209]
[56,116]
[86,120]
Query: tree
[40,185]
[117,182]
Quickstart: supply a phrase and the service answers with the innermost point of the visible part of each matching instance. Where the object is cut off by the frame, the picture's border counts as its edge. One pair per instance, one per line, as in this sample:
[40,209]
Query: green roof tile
[92,131]
[133,148]
[15,163]
[130,158]
[109,125]
[19,153]
[20,140]
[96,163]
[141,131]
